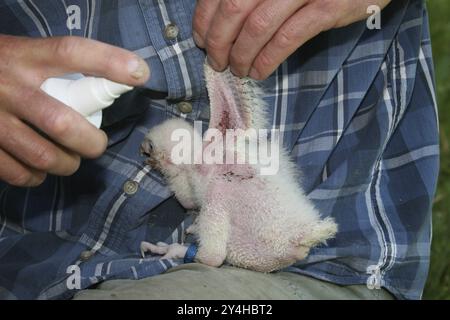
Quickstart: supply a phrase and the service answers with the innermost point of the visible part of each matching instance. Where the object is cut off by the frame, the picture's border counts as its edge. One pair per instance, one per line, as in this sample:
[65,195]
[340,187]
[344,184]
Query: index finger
[61,123]
[203,16]
[228,21]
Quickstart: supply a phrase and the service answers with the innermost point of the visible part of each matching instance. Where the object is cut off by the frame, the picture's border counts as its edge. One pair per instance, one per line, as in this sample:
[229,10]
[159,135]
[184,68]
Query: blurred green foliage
[438,285]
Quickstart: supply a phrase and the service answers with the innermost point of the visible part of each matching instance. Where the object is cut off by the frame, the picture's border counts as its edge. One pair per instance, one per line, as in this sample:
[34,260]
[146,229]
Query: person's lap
[197,281]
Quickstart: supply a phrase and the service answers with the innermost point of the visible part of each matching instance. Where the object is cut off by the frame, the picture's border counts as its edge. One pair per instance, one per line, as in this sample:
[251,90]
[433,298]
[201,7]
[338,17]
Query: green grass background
[438,284]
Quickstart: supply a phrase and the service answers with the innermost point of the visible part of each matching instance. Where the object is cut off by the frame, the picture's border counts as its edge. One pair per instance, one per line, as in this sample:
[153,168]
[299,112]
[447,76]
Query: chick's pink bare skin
[263,223]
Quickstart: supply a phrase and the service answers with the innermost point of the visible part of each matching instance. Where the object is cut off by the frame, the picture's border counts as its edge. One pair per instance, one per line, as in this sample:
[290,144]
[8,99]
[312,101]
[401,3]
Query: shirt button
[86,255]
[171,31]
[184,107]
[130,187]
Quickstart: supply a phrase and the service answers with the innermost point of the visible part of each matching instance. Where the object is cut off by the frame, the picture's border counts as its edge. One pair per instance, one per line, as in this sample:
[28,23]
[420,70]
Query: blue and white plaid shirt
[356,108]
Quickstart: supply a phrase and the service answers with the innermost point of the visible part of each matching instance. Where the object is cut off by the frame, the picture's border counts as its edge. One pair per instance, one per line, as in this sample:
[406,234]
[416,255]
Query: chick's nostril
[146,148]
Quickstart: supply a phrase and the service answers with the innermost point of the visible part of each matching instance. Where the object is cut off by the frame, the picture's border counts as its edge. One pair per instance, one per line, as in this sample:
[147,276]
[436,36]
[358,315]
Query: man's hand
[62,135]
[255,36]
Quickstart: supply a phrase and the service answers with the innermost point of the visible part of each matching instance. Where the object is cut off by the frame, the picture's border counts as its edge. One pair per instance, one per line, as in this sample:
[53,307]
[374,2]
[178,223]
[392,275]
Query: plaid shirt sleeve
[357,110]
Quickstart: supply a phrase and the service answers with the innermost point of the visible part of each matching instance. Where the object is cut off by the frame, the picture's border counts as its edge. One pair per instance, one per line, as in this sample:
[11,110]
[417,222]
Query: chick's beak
[146,148]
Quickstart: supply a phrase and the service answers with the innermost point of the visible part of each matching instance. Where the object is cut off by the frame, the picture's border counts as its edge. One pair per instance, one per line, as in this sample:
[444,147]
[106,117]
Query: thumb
[61,55]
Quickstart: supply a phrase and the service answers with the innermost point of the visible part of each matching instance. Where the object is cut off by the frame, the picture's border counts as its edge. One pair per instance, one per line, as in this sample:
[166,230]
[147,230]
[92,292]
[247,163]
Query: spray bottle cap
[89,95]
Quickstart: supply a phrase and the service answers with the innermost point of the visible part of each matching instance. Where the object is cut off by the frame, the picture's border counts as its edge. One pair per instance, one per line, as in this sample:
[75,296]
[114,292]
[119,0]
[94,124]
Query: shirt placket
[169,28]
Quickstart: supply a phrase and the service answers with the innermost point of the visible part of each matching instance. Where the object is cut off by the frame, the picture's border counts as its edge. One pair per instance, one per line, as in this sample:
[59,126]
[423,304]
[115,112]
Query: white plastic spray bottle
[87,95]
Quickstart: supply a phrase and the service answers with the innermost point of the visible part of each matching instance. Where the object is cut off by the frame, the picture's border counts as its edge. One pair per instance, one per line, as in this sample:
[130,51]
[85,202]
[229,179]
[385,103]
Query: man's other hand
[254,37]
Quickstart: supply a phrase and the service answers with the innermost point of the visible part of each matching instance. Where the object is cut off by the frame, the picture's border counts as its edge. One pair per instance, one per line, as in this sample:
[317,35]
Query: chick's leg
[182,187]
[212,227]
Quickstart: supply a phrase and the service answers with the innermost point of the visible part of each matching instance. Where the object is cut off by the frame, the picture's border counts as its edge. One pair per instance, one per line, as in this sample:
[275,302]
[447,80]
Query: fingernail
[237,73]
[254,74]
[198,40]
[138,68]
[213,64]
[37,180]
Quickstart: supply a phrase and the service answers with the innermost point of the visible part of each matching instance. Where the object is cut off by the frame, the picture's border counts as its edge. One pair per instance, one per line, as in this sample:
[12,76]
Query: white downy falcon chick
[254,221]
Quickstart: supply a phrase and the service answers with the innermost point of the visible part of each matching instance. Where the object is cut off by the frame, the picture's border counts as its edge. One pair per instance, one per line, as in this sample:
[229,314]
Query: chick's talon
[168,251]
